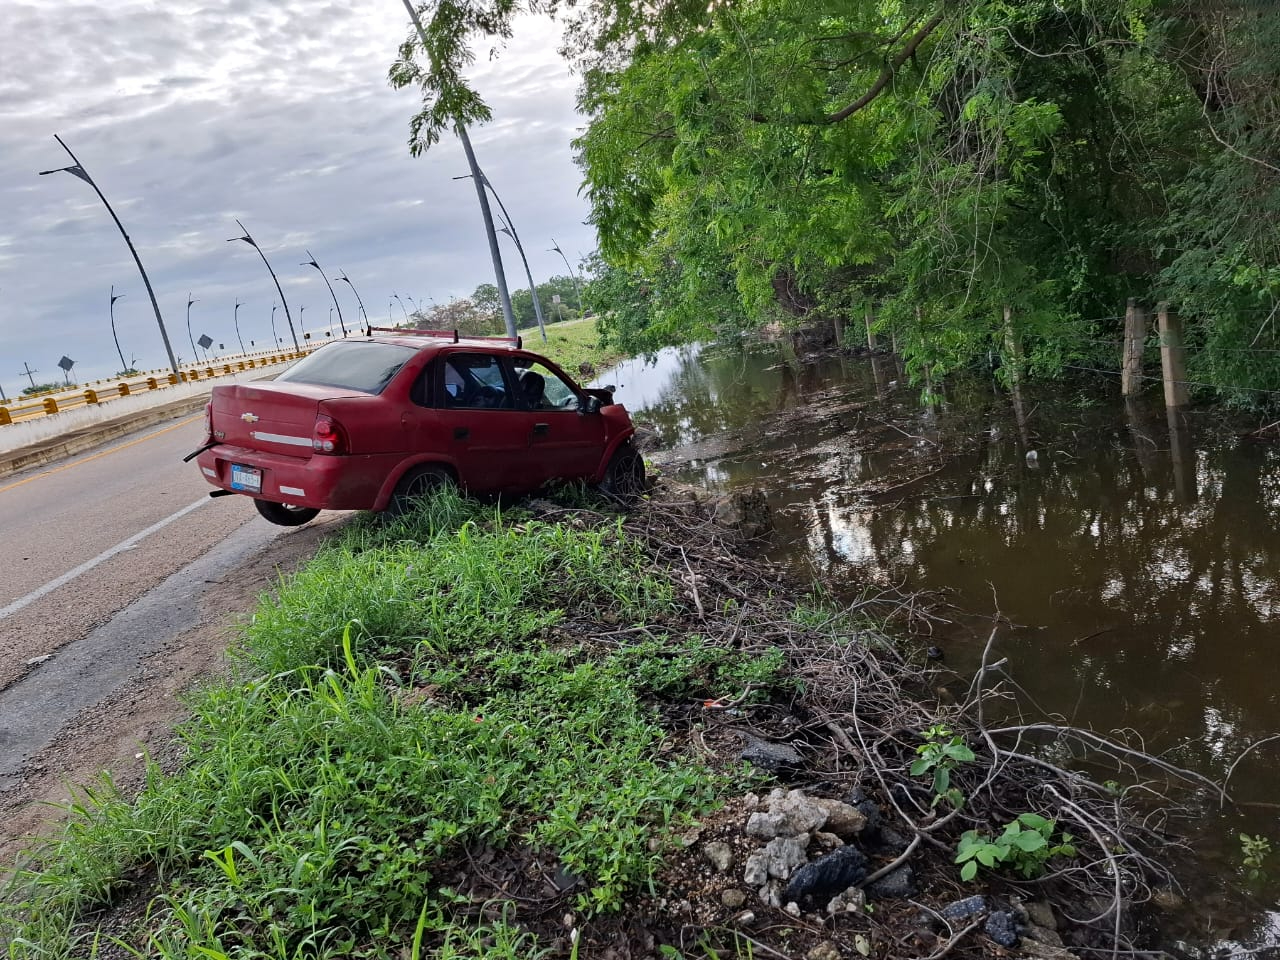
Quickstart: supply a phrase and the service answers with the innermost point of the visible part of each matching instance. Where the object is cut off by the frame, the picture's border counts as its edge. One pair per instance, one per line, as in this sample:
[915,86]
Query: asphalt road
[72,554]
[117,573]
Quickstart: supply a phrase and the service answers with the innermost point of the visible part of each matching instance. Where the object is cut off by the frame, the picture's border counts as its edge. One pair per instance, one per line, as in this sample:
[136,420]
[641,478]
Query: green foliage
[488,303]
[462,315]
[757,164]
[941,753]
[1254,851]
[1026,845]
[403,702]
[41,388]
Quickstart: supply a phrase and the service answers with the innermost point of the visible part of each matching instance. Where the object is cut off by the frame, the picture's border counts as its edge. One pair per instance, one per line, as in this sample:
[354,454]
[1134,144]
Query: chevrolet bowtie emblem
[249,417]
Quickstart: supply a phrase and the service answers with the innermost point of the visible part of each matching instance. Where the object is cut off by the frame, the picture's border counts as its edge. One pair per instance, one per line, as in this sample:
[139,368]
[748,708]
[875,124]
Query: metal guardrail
[103,391]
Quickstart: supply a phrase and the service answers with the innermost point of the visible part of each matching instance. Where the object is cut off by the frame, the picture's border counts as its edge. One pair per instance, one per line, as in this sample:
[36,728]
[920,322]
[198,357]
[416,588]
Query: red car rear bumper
[322,482]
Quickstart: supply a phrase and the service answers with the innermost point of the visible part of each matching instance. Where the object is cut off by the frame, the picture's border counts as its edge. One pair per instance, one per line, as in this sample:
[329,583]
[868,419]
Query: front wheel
[284,515]
[416,485]
[624,477]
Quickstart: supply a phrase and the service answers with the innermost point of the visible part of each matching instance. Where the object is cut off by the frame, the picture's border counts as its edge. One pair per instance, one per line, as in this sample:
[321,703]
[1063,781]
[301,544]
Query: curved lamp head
[246,238]
[75,170]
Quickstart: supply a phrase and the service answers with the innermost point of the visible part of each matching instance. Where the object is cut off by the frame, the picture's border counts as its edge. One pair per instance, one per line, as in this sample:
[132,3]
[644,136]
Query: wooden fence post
[869,315]
[1135,333]
[1013,347]
[1173,357]
[1017,360]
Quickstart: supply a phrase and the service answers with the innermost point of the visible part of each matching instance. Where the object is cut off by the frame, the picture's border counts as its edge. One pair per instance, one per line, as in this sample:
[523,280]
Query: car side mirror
[592,405]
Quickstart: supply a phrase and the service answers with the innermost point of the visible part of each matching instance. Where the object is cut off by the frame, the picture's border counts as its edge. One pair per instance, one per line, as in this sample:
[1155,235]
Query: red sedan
[375,423]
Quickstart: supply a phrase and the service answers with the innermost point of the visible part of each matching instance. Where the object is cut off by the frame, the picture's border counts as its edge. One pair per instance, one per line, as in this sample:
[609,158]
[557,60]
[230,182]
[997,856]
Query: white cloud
[191,114]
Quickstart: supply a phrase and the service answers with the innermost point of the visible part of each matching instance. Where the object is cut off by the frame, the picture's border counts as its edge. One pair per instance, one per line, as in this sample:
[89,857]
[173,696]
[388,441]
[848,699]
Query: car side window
[473,382]
[420,392]
[540,388]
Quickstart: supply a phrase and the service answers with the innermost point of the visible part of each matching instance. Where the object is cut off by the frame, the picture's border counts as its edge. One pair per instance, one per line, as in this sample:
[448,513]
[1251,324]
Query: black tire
[283,515]
[624,478]
[418,483]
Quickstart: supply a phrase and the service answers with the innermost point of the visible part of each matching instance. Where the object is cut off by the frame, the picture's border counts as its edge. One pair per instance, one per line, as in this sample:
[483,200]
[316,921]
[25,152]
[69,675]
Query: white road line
[88,565]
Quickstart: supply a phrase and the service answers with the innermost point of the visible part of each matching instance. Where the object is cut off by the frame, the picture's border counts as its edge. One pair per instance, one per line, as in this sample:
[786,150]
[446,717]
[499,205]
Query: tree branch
[889,70]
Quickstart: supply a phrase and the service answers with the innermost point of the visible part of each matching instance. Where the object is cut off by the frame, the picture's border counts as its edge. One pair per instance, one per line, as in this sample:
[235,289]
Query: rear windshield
[351,365]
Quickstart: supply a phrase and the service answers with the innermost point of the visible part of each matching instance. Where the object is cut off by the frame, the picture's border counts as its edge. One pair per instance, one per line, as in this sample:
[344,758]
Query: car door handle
[461,433]
[540,429]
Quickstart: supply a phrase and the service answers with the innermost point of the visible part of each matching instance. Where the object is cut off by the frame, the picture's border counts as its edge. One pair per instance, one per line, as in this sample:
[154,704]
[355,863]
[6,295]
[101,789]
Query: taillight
[208,422]
[328,436]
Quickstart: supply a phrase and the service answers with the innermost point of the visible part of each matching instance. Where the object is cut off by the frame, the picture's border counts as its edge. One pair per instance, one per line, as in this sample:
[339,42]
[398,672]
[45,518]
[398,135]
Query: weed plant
[402,701]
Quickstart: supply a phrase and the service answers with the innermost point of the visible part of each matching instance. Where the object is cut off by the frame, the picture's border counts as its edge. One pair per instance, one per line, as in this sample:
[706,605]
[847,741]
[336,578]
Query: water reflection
[1135,554]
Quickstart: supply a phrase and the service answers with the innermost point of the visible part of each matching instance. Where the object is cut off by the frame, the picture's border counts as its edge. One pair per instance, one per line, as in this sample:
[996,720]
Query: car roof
[435,339]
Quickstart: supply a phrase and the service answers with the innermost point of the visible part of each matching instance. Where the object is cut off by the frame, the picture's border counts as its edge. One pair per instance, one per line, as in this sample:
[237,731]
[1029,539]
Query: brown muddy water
[1134,561]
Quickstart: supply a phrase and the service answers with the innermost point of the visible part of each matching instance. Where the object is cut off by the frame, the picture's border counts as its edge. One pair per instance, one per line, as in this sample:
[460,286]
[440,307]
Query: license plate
[248,479]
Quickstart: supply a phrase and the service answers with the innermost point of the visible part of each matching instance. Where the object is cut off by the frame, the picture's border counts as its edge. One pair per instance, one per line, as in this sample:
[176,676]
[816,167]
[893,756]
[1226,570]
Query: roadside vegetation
[527,732]
[989,179]
[572,344]
[420,695]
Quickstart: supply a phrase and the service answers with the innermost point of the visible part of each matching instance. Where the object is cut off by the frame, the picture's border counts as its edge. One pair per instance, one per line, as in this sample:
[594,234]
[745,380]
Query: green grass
[404,700]
[572,343]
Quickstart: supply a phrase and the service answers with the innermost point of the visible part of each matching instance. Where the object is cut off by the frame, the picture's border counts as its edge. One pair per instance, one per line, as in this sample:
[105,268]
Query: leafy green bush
[1026,845]
[941,753]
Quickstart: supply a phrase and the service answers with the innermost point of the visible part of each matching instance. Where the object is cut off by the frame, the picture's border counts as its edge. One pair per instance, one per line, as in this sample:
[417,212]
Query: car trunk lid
[273,418]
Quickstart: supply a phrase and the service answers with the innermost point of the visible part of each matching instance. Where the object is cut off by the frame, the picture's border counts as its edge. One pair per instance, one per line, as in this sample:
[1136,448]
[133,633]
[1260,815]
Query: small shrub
[1026,846]
[942,752]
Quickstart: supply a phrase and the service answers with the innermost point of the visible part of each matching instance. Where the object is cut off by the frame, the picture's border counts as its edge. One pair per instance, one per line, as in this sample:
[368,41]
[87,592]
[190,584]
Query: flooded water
[1133,559]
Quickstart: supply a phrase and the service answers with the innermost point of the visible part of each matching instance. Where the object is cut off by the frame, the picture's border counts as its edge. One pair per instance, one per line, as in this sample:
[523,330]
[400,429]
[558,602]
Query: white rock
[756,871]
[719,855]
[784,854]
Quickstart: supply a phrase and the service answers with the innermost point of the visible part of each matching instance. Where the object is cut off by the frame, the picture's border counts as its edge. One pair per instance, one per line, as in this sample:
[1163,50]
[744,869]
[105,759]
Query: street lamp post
[301,326]
[253,243]
[312,262]
[275,341]
[509,228]
[343,276]
[577,288]
[533,290]
[236,317]
[77,170]
[112,309]
[195,356]
[402,309]
[498,273]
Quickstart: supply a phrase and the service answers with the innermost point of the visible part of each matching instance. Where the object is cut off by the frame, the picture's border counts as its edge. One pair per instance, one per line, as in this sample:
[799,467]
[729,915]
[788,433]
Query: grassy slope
[572,343]
[420,692]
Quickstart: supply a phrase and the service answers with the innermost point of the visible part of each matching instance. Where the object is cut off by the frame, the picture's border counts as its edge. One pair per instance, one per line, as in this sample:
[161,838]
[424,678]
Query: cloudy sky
[191,113]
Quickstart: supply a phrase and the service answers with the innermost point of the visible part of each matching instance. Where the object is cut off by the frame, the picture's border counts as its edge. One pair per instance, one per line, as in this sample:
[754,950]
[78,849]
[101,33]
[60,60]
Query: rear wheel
[624,477]
[416,485]
[284,515]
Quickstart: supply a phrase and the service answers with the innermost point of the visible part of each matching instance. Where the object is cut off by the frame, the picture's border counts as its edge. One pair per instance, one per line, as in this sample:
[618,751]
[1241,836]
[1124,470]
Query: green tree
[953,161]
[461,315]
[486,299]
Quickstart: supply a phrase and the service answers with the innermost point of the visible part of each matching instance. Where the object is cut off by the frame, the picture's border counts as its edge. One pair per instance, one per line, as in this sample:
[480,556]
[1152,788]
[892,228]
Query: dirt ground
[119,732]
